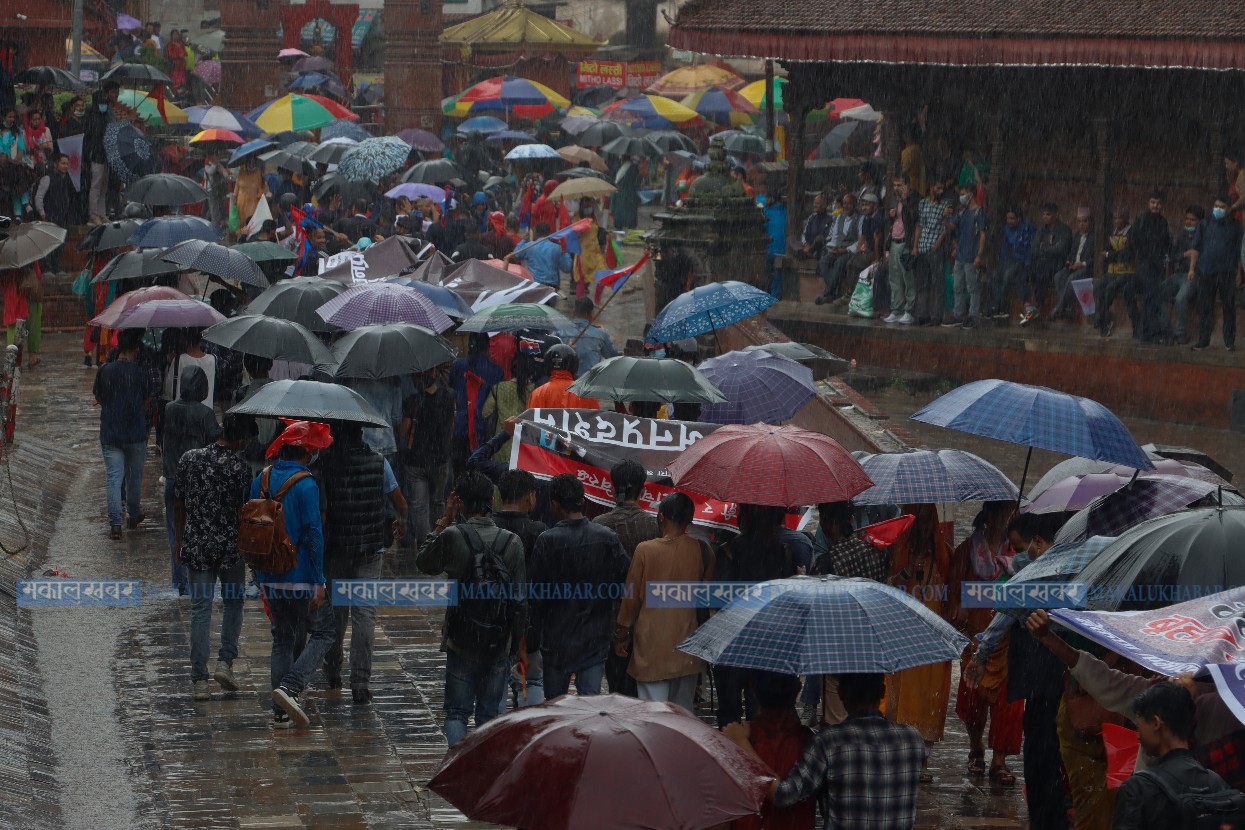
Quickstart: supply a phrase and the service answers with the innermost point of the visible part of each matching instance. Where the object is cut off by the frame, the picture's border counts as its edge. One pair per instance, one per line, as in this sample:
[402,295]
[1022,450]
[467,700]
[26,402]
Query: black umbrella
[298,300]
[629,145]
[388,350]
[646,379]
[52,76]
[740,142]
[135,72]
[311,400]
[294,157]
[669,140]
[433,171]
[329,153]
[214,258]
[130,154]
[349,190]
[1188,455]
[1193,550]
[581,173]
[261,252]
[269,337]
[603,132]
[166,190]
[109,235]
[136,265]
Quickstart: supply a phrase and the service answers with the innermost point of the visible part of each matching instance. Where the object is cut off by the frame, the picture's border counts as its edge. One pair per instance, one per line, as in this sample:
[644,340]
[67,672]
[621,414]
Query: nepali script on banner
[588,442]
[1207,632]
[618,74]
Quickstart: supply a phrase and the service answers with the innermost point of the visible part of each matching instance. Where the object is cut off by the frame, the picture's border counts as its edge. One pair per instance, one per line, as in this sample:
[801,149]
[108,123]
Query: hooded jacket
[546,210]
[189,423]
[555,394]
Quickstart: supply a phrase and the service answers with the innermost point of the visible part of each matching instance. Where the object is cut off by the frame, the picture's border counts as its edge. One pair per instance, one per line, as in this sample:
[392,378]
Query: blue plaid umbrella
[371,160]
[1060,563]
[707,309]
[932,476]
[377,303]
[825,625]
[760,387]
[166,231]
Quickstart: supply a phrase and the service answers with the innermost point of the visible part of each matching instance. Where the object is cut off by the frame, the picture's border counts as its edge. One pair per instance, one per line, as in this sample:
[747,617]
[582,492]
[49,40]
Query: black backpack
[1201,808]
[482,623]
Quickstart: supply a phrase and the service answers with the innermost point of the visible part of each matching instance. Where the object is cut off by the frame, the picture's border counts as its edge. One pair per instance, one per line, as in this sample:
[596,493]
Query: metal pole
[769,109]
[75,61]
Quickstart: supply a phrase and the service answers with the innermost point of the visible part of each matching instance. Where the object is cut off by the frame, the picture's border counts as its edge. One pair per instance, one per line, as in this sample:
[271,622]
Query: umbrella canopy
[316,63]
[129,153]
[291,54]
[599,133]
[755,93]
[386,258]
[502,136]
[167,231]
[515,316]
[297,300]
[556,766]
[27,242]
[220,118]
[387,351]
[743,143]
[486,286]
[265,252]
[1084,466]
[442,297]
[212,41]
[706,309]
[579,187]
[433,171]
[52,76]
[1134,503]
[148,108]
[625,378]
[109,316]
[167,314]
[208,70]
[825,625]
[421,140]
[630,145]
[269,337]
[532,151]
[1034,416]
[526,99]
[760,387]
[136,265]
[376,303]
[373,159]
[123,72]
[295,157]
[215,135]
[311,400]
[835,139]
[345,128]
[721,106]
[652,111]
[1077,492]
[803,352]
[484,124]
[250,150]
[776,466]
[933,476]
[109,235]
[1188,455]
[1192,549]
[417,190]
[330,152]
[688,79]
[213,258]
[166,190]
[574,154]
[292,112]
[1063,560]
[668,140]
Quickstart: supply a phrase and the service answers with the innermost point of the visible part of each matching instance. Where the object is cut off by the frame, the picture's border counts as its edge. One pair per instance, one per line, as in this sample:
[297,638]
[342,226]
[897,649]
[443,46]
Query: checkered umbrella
[825,625]
[443,298]
[1162,466]
[1063,560]
[214,258]
[760,387]
[776,466]
[166,231]
[1131,504]
[707,309]
[373,159]
[375,303]
[933,476]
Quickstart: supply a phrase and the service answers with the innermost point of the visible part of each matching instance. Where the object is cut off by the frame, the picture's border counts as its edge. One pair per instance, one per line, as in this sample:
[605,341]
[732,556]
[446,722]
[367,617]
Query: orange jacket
[553,395]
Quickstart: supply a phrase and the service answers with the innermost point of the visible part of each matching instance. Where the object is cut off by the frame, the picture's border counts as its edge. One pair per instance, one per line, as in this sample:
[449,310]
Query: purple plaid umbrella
[1137,501]
[760,387]
[376,303]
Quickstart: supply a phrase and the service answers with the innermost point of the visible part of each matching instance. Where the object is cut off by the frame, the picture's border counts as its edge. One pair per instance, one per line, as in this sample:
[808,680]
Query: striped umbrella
[291,112]
[376,303]
[933,476]
[755,93]
[721,106]
[688,79]
[523,98]
[218,136]
[760,387]
[652,111]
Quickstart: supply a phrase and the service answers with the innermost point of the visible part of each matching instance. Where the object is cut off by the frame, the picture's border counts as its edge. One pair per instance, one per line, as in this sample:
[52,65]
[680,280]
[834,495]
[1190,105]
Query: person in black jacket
[94,157]
[1150,242]
[517,489]
[576,566]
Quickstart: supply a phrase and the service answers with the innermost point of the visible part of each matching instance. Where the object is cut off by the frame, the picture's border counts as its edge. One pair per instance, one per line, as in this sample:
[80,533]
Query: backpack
[262,537]
[483,620]
[1201,808]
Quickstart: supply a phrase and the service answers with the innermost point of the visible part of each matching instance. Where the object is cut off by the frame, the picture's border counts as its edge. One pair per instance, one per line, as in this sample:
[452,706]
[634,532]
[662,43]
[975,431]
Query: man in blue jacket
[299,593]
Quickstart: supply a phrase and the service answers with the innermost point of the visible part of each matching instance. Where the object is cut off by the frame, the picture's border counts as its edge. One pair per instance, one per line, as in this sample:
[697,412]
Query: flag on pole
[568,237]
[616,278]
[1085,295]
[71,145]
[261,215]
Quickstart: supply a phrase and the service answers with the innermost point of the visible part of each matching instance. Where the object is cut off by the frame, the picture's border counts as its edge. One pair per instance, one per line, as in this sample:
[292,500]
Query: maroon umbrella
[605,762]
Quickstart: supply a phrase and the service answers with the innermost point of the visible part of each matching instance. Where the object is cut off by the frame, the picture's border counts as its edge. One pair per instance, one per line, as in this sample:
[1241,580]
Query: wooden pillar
[999,173]
[412,65]
[250,74]
[1215,177]
[769,110]
[1102,192]
[799,98]
[892,144]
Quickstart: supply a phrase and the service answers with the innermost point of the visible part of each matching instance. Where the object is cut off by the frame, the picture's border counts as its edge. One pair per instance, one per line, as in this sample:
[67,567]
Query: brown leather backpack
[262,537]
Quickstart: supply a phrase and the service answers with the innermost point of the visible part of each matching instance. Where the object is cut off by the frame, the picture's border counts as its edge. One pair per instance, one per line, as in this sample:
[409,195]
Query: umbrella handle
[1020,494]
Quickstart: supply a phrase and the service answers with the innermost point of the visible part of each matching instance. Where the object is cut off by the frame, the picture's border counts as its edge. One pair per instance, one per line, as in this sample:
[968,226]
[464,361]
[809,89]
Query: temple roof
[516,27]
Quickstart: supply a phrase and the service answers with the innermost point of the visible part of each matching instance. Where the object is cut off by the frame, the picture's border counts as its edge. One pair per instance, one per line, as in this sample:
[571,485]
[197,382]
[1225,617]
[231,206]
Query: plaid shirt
[930,219]
[865,771]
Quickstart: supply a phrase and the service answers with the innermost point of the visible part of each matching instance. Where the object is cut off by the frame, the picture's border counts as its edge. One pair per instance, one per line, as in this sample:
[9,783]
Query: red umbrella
[777,466]
[111,315]
[334,108]
[559,766]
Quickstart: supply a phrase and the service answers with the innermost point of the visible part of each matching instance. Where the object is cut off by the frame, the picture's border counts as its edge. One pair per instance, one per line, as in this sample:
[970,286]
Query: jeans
[1182,292]
[1009,275]
[810,694]
[178,577]
[124,462]
[287,614]
[472,685]
[967,290]
[1042,765]
[202,592]
[587,680]
[902,281]
[535,680]
[930,286]
[362,619]
[681,691]
[424,489]
[1221,286]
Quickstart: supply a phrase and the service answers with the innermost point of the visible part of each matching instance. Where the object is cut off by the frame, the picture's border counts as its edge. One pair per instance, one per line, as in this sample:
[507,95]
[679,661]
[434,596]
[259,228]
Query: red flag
[884,534]
[615,279]
[1122,747]
[157,95]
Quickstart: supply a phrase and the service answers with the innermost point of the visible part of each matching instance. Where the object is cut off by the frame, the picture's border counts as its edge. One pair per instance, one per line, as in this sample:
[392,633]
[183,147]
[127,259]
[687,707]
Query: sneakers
[951,322]
[1028,317]
[891,318]
[361,695]
[114,533]
[970,323]
[288,701]
[280,720]
[202,692]
[905,320]
[134,521]
[224,676]
[1000,315]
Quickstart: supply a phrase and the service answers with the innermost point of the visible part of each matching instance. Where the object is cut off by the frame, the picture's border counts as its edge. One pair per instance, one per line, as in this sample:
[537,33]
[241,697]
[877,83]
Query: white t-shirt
[207,363]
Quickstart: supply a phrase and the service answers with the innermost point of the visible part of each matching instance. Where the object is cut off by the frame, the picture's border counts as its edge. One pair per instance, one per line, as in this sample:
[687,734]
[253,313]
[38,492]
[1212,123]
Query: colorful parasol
[148,108]
[721,106]
[688,79]
[652,111]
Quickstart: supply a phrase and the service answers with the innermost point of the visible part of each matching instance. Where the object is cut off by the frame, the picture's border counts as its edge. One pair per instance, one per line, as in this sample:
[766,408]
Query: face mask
[102,107]
[587,211]
[78,113]
[965,199]
[1020,561]
[315,456]
[1219,212]
[1190,229]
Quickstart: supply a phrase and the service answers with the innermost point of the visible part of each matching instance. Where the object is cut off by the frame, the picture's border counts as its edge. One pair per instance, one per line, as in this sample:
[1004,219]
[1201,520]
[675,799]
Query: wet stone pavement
[133,749]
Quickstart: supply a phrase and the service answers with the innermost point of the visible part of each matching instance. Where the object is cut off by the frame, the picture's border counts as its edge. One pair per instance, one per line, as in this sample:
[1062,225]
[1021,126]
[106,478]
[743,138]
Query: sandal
[927,777]
[1002,775]
[976,764]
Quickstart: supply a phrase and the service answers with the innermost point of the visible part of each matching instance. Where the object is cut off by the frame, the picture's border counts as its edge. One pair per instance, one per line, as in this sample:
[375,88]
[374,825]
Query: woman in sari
[591,258]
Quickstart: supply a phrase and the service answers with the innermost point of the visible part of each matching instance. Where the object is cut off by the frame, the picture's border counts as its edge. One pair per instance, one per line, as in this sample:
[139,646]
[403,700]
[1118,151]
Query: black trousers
[1110,287]
[734,695]
[1150,284]
[1220,286]
[1043,765]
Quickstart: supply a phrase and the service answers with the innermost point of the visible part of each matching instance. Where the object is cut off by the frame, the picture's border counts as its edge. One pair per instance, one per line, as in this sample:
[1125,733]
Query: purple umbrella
[416,190]
[421,140]
[759,387]
[169,314]
[1076,492]
[125,23]
[1139,500]
[376,303]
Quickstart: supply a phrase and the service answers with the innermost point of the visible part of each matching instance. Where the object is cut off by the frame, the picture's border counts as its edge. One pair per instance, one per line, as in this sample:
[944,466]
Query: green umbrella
[515,316]
[260,252]
[646,379]
[387,351]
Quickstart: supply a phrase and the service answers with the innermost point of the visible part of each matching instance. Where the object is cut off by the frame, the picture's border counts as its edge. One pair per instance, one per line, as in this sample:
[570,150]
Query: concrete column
[250,74]
[412,65]
[798,97]
[1102,190]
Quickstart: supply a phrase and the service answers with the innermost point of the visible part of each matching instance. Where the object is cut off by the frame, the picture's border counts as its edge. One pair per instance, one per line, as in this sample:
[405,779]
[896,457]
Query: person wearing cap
[298,596]
[1080,264]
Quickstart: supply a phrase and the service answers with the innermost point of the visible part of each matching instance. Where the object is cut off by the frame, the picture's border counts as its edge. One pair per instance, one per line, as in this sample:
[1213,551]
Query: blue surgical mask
[964,199]
[1219,212]
[102,107]
[1020,561]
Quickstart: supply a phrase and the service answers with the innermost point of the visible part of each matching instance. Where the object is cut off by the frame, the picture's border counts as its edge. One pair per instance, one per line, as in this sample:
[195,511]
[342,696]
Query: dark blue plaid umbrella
[932,476]
[166,231]
[825,625]
[760,387]
[707,309]
[1060,563]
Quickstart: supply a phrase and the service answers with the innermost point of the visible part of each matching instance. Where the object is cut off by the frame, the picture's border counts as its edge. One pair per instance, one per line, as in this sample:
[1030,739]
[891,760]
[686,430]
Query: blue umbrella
[373,159]
[442,297]
[510,135]
[933,476]
[1060,563]
[825,625]
[166,231]
[707,309]
[309,80]
[130,154]
[250,150]
[482,124]
[1034,416]
[344,129]
[533,151]
[220,118]
[760,387]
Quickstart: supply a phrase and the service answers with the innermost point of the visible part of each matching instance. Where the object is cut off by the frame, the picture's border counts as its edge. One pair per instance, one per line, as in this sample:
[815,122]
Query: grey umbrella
[136,265]
[52,76]
[269,337]
[804,353]
[109,235]
[135,72]
[311,400]
[26,242]
[214,258]
[628,145]
[295,156]
[329,153]
[387,351]
[166,190]
[646,379]
[602,132]
[297,300]
[433,171]
[669,140]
